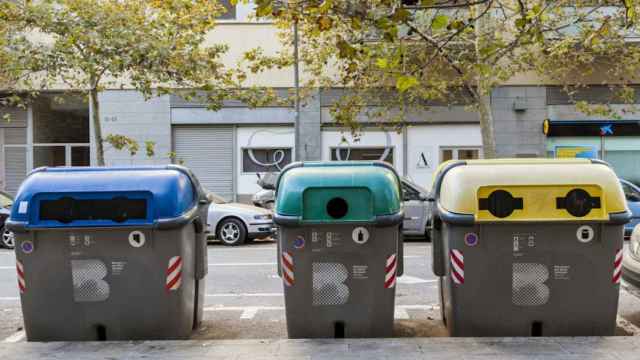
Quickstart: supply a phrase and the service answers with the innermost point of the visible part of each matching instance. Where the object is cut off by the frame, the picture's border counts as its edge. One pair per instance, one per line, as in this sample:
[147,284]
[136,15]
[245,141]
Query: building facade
[228,148]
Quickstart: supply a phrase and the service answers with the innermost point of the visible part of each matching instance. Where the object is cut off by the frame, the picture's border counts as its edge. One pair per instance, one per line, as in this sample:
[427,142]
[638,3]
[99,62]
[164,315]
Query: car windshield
[5,200]
[630,192]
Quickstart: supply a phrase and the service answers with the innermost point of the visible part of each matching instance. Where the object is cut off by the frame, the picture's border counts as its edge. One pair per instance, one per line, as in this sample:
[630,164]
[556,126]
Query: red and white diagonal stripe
[287,269]
[457,266]
[21,283]
[174,274]
[390,271]
[617,267]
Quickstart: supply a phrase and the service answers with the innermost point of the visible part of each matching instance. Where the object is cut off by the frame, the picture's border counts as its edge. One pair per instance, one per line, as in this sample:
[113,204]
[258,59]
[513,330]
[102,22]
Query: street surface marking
[17,337]
[7,267]
[401,314]
[246,295]
[9,298]
[244,264]
[410,280]
[248,313]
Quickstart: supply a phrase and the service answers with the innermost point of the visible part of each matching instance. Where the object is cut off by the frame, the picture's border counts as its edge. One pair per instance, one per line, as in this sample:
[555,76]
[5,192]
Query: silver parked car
[235,224]
[7,239]
[417,208]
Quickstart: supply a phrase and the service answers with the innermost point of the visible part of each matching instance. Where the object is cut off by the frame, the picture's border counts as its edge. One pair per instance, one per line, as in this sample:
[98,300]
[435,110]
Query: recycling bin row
[520,248]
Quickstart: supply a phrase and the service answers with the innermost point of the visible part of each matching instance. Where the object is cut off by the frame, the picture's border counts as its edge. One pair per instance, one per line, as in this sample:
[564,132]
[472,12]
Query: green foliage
[445,51]
[152,46]
[121,142]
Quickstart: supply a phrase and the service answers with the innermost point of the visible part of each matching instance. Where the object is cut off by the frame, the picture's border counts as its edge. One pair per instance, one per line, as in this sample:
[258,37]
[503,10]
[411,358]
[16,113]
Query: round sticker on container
[360,235]
[471,239]
[136,239]
[298,243]
[27,247]
[585,234]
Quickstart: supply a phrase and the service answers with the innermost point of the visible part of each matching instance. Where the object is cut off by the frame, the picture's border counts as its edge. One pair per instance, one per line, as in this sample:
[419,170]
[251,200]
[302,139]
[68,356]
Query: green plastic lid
[333,192]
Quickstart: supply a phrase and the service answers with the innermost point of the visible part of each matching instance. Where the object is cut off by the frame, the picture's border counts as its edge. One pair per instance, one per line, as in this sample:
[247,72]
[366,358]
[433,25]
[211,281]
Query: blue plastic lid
[81,196]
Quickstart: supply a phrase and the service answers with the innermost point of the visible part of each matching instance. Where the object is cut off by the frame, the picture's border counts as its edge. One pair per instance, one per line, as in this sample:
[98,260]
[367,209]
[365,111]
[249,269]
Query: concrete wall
[519,133]
[126,112]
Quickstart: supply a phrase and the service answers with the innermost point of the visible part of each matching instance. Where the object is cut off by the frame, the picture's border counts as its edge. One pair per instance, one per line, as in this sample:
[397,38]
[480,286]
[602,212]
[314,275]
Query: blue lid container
[105,196]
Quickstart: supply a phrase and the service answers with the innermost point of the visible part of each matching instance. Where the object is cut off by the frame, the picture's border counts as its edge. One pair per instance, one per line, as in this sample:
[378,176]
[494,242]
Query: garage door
[208,152]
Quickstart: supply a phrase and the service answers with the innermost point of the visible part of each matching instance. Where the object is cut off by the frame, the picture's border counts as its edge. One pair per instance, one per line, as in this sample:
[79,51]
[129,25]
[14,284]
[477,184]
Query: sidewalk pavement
[601,348]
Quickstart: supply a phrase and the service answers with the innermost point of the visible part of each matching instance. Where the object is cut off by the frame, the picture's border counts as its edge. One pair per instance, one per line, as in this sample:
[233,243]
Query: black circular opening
[578,203]
[337,208]
[501,204]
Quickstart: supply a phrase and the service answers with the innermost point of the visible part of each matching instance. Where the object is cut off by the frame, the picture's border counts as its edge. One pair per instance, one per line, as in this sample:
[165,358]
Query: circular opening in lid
[337,208]
[578,203]
[501,203]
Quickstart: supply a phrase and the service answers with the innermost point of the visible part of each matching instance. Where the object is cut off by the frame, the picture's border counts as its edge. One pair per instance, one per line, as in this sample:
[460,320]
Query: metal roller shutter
[15,160]
[208,152]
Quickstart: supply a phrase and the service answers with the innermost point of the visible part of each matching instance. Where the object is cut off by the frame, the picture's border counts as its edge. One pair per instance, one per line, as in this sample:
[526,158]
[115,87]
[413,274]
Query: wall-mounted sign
[585,152]
[591,127]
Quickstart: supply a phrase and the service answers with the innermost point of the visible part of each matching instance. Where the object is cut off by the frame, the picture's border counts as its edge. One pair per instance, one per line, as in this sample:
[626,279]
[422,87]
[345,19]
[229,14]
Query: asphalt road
[244,296]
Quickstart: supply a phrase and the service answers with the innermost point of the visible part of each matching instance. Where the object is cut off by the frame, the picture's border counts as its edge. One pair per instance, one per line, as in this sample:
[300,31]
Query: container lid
[530,190]
[104,196]
[326,192]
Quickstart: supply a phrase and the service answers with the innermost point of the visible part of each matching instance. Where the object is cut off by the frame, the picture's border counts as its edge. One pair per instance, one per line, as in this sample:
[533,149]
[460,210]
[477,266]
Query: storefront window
[459,154]
[263,160]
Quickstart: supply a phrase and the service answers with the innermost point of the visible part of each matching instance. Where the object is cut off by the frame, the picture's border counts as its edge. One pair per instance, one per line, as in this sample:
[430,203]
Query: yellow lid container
[524,190]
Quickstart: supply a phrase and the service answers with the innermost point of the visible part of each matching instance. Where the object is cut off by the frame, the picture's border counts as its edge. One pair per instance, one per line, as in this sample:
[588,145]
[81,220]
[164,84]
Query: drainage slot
[338,330]
[101,333]
[536,328]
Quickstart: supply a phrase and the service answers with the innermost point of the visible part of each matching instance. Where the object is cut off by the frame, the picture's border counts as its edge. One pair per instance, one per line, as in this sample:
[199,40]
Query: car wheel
[8,239]
[232,232]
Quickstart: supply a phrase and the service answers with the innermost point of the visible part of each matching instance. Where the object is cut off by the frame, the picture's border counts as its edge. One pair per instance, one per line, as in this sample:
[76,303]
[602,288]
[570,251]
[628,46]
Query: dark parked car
[632,193]
[6,201]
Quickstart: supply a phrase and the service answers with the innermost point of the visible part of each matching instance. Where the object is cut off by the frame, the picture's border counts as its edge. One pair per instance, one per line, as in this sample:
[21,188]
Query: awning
[591,127]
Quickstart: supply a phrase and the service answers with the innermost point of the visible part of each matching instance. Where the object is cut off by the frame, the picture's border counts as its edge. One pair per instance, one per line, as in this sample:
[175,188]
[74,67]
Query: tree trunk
[483,89]
[486,127]
[97,129]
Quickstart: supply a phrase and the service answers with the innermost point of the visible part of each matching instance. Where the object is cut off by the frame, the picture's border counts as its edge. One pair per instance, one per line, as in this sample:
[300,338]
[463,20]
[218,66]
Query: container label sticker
[471,239]
[585,234]
[136,239]
[333,239]
[117,267]
[516,243]
[360,235]
[360,272]
[561,272]
[27,247]
[298,243]
[23,207]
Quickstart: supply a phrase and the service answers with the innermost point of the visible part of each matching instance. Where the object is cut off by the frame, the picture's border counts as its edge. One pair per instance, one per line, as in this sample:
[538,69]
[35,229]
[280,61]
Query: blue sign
[606,130]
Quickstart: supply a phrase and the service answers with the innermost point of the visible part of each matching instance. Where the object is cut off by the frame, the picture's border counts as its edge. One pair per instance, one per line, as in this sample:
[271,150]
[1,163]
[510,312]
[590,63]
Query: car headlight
[262,217]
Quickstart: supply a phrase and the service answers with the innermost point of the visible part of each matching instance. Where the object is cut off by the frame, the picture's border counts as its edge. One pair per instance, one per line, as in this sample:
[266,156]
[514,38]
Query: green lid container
[338,192]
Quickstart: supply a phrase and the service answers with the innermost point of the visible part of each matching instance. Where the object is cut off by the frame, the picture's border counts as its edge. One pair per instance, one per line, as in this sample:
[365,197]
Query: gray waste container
[528,247]
[339,248]
[110,253]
